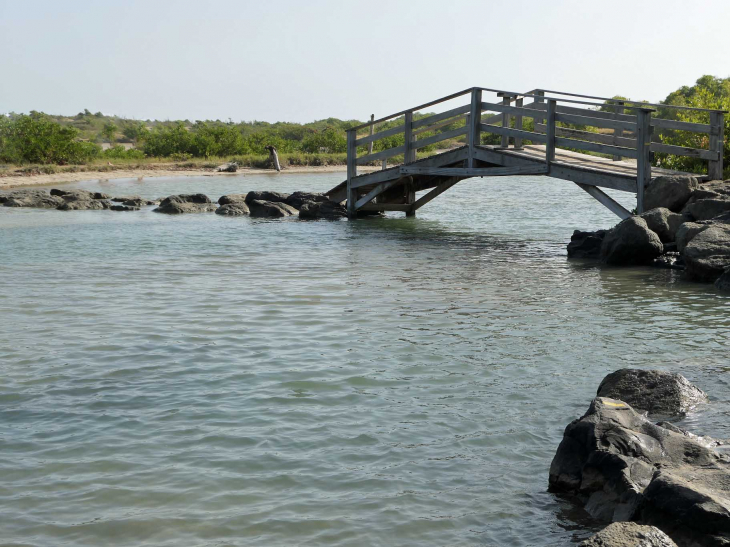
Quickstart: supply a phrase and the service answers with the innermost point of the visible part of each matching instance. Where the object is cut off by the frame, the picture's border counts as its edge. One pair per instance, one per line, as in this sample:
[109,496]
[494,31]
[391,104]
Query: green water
[201,380]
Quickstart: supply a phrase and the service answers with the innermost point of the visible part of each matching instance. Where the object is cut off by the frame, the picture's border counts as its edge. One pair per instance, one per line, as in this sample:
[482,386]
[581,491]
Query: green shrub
[120,153]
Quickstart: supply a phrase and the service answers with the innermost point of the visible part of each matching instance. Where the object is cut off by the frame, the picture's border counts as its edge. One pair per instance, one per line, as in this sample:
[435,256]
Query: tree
[108,131]
[135,132]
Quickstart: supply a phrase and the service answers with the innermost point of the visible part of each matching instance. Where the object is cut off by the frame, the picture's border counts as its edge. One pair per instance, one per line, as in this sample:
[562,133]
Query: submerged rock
[265,195]
[708,253]
[238,208]
[586,244]
[84,205]
[624,467]
[631,242]
[123,208]
[663,223]
[723,282]
[629,534]
[270,209]
[657,392]
[138,202]
[671,260]
[330,210]
[185,203]
[670,192]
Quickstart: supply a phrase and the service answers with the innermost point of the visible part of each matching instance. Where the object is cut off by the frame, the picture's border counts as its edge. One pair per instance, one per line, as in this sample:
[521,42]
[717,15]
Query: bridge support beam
[605,200]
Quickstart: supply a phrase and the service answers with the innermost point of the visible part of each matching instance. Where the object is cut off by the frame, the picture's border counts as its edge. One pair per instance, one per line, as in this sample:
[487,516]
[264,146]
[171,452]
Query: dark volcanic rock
[686,232]
[631,242]
[298,199]
[185,203]
[706,209]
[723,282]
[238,208]
[330,210]
[270,209]
[30,198]
[84,205]
[232,198]
[708,253]
[629,534]
[657,392]
[586,244]
[612,456]
[670,192]
[265,195]
[663,223]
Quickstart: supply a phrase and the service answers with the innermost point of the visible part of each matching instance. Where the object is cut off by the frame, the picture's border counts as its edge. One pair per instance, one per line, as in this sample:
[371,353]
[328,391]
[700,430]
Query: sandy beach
[7,182]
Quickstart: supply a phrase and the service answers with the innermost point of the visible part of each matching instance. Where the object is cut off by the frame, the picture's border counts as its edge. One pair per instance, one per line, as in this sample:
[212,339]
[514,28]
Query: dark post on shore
[274,157]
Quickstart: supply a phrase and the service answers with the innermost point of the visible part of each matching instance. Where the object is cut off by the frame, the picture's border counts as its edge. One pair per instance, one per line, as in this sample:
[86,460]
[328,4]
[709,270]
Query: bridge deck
[556,133]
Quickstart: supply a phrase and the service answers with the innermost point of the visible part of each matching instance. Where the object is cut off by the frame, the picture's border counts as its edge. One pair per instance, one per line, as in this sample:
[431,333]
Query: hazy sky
[284,60]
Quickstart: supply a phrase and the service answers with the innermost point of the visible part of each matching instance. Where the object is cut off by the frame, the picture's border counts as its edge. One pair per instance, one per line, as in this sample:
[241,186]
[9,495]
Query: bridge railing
[574,123]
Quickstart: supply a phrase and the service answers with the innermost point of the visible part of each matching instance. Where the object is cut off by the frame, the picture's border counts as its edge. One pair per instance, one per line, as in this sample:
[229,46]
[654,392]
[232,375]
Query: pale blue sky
[280,60]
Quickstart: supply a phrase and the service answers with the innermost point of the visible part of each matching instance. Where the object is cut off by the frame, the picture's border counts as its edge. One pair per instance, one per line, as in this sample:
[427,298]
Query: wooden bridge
[620,129]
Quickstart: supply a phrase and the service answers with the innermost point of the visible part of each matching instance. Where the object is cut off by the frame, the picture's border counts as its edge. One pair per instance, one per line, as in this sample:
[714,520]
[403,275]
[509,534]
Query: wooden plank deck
[394,188]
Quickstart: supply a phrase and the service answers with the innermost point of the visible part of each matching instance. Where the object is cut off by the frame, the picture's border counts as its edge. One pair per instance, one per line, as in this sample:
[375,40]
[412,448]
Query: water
[201,380]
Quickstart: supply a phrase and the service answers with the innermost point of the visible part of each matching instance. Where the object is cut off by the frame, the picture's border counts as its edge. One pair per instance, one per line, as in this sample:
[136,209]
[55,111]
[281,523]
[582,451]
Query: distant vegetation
[41,139]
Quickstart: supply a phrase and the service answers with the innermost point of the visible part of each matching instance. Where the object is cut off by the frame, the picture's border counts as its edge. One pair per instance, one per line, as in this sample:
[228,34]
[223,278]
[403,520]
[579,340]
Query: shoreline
[18,181]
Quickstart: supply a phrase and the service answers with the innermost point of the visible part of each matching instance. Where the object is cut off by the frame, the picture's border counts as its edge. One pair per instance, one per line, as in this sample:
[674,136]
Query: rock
[77,195]
[298,199]
[185,203]
[230,167]
[629,534]
[630,242]
[586,244]
[238,208]
[84,205]
[270,209]
[138,202]
[723,282]
[708,253]
[122,199]
[30,198]
[612,456]
[123,208]
[705,209]
[663,223]
[657,392]
[686,232]
[231,198]
[716,186]
[265,195]
[99,195]
[670,192]
[330,210]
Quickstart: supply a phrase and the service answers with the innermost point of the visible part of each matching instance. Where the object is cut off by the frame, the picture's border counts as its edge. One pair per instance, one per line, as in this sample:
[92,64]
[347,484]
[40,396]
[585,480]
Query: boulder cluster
[659,480]
[686,226]
[262,204]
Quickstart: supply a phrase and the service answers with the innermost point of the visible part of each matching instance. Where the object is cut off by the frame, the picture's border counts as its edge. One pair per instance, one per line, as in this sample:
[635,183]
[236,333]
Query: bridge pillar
[351,173]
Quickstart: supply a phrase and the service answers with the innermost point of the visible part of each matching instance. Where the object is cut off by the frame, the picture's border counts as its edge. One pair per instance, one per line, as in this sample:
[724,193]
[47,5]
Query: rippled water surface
[201,380]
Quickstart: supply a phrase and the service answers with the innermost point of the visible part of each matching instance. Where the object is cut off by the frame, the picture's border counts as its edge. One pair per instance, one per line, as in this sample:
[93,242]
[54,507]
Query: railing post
[618,132]
[372,130]
[550,133]
[506,99]
[409,155]
[643,155]
[351,173]
[717,127]
[474,120]
[518,124]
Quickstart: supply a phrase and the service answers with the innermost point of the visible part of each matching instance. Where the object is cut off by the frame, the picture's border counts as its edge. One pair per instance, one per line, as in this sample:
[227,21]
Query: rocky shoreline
[627,463]
[259,204]
[686,227]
